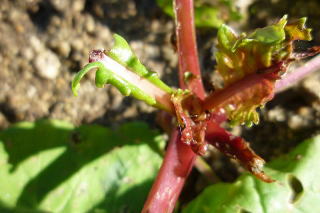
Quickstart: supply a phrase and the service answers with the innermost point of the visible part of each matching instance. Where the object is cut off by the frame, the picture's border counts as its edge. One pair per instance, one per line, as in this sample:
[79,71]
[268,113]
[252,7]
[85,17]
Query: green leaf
[53,166]
[298,31]
[207,15]
[296,189]
[122,53]
[273,34]
[121,68]
[240,56]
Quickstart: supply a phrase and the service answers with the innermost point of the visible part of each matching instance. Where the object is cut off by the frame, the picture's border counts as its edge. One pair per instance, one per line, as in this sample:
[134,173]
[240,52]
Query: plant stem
[179,157]
[187,48]
[237,148]
[221,97]
[298,74]
[175,168]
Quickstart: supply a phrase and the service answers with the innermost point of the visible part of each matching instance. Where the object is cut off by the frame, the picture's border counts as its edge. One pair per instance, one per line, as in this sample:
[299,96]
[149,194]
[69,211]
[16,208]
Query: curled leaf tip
[75,85]
[121,68]
[75,89]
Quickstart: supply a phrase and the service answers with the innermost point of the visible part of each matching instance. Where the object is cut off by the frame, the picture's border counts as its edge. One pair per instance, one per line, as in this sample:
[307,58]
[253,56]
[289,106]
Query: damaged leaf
[191,120]
[296,188]
[267,51]
[236,148]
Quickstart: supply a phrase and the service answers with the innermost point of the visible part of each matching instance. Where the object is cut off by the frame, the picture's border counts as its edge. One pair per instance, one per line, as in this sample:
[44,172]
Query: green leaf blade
[252,195]
[267,50]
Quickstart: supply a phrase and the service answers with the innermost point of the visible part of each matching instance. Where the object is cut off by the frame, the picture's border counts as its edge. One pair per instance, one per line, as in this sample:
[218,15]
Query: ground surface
[44,43]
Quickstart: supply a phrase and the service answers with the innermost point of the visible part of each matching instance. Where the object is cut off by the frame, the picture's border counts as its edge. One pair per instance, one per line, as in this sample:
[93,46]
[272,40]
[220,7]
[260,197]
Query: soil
[44,43]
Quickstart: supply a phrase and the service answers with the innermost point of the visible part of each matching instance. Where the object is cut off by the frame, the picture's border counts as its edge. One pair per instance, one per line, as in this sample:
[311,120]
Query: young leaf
[121,68]
[52,166]
[243,59]
[296,189]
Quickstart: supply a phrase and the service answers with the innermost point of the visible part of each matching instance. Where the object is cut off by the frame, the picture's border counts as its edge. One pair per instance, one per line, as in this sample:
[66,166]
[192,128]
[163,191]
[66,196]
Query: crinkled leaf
[267,49]
[242,55]
[53,166]
[298,31]
[296,189]
[122,69]
[206,14]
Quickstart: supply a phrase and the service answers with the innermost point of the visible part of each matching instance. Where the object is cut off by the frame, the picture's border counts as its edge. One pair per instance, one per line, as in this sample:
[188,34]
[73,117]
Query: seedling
[250,65]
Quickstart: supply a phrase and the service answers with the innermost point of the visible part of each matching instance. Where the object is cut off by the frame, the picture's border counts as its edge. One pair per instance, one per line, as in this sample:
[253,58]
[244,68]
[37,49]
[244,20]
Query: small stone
[64,48]
[36,43]
[56,21]
[305,112]
[66,6]
[89,24]
[295,122]
[312,85]
[277,114]
[59,5]
[104,34]
[78,5]
[31,91]
[47,64]
[27,53]
[77,44]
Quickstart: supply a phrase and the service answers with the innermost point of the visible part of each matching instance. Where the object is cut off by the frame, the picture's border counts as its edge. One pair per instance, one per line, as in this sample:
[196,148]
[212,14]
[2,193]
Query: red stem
[179,158]
[177,164]
[237,148]
[220,97]
[187,47]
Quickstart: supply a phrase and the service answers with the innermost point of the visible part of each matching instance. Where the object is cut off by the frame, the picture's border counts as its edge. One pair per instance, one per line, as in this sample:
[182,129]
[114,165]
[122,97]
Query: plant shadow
[81,145]
[126,199]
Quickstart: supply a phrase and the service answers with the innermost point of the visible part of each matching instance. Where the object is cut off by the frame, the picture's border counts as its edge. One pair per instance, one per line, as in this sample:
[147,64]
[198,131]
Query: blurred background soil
[43,43]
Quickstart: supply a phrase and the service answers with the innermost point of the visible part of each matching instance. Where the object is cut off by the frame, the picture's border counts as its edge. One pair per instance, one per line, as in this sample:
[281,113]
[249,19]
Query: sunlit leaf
[121,68]
[266,50]
[296,189]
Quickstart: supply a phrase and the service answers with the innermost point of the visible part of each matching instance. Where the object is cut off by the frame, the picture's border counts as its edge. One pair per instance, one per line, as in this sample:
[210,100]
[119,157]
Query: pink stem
[187,47]
[177,164]
[298,74]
